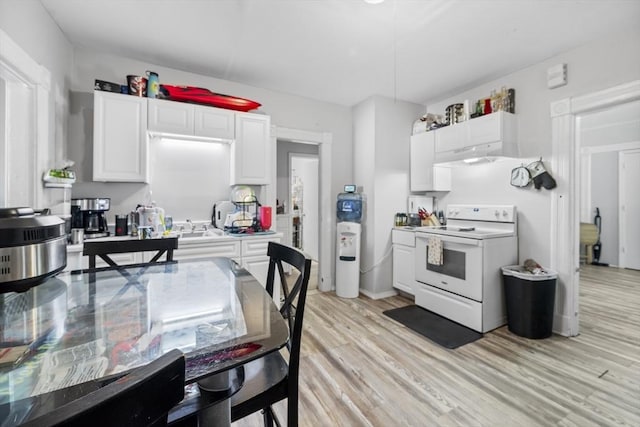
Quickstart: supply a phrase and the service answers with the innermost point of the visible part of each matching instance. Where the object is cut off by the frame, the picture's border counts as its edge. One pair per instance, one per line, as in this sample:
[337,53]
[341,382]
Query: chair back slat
[294,298]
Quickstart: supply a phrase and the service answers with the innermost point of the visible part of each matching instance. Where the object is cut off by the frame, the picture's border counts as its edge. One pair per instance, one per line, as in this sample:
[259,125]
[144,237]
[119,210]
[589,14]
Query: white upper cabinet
[498,126]
[170,117]
[251,150]
[213,122]
[451,137]
[184,119]
[122,123]
[120,138]
[490,135]
[424,175]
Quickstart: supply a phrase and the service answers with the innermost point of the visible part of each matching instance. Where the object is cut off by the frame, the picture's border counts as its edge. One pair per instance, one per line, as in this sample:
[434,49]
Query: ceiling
[343,51]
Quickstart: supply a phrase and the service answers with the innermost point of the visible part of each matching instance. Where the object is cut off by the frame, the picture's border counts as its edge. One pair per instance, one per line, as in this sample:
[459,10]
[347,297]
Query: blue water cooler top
[349,207]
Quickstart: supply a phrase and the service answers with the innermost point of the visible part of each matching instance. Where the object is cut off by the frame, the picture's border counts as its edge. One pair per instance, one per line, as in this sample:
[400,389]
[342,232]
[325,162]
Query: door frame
[326,219]
[564,230]
[16,62]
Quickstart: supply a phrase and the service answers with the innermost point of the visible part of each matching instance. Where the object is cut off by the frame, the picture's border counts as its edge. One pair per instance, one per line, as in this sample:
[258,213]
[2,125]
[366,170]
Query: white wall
[596,66]
[382,133]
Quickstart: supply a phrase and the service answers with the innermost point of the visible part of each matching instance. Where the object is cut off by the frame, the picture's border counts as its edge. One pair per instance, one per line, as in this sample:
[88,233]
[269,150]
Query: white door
[306,168]
[629,209]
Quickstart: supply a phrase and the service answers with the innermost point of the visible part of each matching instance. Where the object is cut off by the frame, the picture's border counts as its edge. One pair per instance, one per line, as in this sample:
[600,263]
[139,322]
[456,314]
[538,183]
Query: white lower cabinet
[77,261]
[249,252]
[256,262]
[403,260]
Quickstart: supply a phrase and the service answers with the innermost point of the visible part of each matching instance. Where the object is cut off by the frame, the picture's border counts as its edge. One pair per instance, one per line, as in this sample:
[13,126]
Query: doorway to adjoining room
[297,211]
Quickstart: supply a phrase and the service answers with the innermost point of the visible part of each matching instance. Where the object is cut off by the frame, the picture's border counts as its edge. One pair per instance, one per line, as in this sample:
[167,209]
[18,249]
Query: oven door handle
[449,239]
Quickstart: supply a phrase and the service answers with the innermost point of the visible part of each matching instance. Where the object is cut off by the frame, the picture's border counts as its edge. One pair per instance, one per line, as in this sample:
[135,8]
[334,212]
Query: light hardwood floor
[360,368]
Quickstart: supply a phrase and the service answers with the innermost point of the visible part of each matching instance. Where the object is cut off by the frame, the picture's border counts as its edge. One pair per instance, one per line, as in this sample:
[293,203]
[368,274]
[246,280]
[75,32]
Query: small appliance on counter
[33,247]
[90,215]
[150,217]
[221,210]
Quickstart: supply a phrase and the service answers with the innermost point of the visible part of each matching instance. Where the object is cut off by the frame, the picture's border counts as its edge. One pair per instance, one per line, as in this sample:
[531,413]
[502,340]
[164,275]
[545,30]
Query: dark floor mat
[433,326]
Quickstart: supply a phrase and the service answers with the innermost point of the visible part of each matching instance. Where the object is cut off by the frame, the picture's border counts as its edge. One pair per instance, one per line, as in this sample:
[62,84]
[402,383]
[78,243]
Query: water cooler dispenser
[349,230]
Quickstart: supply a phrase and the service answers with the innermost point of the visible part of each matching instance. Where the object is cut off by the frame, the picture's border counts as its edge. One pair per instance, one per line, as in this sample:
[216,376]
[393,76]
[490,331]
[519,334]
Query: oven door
[461,269]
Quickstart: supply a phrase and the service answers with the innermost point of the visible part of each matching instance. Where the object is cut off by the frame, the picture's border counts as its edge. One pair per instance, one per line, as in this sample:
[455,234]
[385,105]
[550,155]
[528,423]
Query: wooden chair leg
[589,249]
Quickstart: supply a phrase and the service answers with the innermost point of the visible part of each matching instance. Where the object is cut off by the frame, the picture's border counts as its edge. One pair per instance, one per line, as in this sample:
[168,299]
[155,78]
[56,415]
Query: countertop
[215,238]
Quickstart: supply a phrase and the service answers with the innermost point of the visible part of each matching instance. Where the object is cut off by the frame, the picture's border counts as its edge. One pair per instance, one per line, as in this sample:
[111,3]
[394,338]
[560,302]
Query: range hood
[477,153]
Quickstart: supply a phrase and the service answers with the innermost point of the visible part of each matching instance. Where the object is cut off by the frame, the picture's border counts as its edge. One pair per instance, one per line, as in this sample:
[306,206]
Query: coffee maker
[90,215]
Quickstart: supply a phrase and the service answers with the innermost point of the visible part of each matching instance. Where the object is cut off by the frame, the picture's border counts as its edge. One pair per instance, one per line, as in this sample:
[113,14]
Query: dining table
[79,330]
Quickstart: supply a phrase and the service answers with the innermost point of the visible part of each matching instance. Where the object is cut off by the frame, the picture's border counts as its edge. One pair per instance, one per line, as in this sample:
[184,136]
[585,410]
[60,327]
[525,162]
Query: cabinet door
[452,137]
[403,268]
[119,138]
[421,162]
[485,129]
[498,126]
[170,117]
[213,122]
[283,225]
[441,178]
[258,266]
[425,176]
[251,150]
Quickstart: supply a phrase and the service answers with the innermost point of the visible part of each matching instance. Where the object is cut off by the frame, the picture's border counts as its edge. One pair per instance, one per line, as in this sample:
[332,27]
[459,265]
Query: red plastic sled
[204,96]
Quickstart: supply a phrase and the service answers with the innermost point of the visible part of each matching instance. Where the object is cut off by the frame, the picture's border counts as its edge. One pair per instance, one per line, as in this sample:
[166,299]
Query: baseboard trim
[378,295]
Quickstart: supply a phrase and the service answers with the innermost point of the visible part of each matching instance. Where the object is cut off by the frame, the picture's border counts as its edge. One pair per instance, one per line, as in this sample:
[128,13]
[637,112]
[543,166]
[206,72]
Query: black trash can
[530,299]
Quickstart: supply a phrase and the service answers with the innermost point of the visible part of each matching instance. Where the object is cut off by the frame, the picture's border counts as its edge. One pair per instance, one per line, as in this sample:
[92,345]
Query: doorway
[629,167]
[303,173]
[566,199]
[316,148]
[605,190]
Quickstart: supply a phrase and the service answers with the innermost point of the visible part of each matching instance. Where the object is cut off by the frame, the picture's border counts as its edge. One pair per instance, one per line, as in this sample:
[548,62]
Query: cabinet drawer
[256,247]
[401,237]
[453,307]
[207,250]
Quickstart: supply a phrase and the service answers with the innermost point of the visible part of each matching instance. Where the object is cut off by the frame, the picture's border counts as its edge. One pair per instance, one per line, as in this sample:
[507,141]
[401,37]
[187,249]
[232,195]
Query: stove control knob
[505,213]
[497,213]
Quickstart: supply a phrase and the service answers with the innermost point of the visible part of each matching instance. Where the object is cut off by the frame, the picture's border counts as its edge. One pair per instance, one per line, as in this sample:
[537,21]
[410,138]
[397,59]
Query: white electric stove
[466,284]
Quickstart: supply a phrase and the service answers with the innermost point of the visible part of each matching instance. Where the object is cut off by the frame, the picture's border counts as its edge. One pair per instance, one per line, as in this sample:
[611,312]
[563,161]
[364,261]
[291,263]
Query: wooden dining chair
[275,378]
[141,398]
